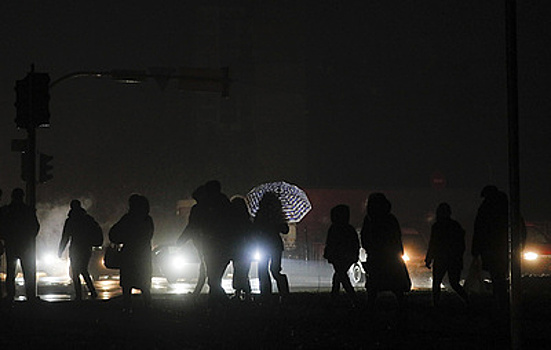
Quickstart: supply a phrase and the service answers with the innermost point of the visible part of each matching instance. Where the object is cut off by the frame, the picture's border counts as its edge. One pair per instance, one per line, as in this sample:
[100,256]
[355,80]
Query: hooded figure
[19,230]
[342,249]
[135,231]
[490,240]
[446,248]
[382,240]
[83,232]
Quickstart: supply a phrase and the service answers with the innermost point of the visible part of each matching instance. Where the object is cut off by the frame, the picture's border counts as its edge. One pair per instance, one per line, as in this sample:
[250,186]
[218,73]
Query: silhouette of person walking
[382,239]
[212,218]
[342,249]
[242,242]
[268,224]
[445,252]
[83,232]
[19,230]
[135,231]
[193,232]
[490,240]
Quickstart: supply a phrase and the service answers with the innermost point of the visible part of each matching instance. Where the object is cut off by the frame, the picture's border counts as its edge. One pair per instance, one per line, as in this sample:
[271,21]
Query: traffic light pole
[33,96]
[515,287]
[31,169]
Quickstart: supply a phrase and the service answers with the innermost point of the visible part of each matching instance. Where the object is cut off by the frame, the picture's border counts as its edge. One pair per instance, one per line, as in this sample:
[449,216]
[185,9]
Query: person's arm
[65,237]
[430,251]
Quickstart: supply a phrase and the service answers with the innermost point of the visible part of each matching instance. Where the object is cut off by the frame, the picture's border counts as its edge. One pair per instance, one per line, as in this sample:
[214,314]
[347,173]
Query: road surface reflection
[304,276]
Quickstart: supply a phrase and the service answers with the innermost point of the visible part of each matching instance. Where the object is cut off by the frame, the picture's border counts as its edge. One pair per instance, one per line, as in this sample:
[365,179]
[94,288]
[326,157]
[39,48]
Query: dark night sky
[388,93]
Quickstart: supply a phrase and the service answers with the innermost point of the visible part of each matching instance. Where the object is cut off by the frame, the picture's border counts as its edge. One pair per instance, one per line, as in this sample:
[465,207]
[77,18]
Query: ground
[305,321]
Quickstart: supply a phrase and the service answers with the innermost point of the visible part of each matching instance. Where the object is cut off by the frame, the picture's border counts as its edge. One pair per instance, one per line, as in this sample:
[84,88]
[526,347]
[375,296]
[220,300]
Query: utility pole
[515,288]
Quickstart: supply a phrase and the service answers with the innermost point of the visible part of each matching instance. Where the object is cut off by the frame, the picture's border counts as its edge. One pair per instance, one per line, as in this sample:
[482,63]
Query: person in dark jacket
[382,240]
[192,232]
[19,230]
[242,243]
[212,218]
[445,252]
[342,248]
[268,223]
[135,231]
[84,233]
[490,240]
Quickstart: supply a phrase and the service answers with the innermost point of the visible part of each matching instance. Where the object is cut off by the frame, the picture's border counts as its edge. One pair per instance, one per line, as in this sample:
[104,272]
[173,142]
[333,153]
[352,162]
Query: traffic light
[44,174]
[32,101]
[23,103]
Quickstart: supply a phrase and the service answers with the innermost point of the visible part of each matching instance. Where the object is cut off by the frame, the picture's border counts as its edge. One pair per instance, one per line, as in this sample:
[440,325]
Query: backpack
[95,233]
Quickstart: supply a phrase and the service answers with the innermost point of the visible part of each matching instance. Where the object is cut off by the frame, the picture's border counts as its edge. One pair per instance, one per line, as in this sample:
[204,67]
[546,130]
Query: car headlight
[177,261]
[530,256]
[257,255]
[48,260]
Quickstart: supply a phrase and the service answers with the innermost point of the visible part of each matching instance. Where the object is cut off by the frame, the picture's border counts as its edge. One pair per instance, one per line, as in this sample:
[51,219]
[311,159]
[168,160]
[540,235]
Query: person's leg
[239,277]
[336,286]
[202,276]
[438,272]
[28,266]
[497,266]
[89,283]
[75,276]
[216,266]
[281,279]
[86,273]
[454,275]
[146,294]
[127,299]
[264,278]
[342,275]
[11,265]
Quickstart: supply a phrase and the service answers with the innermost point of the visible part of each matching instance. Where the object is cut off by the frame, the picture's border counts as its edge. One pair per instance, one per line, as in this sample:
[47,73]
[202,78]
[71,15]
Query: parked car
[537,251]
[176,263]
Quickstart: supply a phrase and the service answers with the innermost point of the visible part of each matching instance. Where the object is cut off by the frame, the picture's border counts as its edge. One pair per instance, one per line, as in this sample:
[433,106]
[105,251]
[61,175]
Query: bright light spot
[405,257]
[530,256]
[177,261]
[49,259]
[257,256]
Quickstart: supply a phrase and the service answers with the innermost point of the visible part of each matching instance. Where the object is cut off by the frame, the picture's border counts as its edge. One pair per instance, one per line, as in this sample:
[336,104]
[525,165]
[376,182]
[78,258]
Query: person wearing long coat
[241,248]
[268,223]
[135,231]
[83,232]
[381,238]
[342,248]
[446,249]
[192,232]
[490,240]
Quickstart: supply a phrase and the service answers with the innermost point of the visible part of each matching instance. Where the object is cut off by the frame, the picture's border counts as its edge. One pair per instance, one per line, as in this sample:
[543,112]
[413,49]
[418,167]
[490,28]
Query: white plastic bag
[474,284]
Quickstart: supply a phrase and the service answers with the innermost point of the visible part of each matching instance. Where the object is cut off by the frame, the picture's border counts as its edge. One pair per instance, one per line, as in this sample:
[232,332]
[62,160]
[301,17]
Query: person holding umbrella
[269,222]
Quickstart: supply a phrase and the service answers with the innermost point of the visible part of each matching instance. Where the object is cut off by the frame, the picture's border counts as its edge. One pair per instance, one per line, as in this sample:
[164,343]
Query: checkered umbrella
[294,201]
